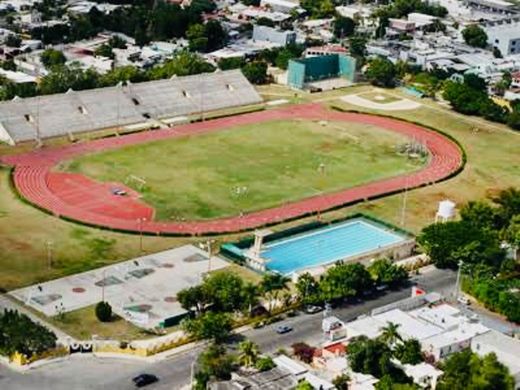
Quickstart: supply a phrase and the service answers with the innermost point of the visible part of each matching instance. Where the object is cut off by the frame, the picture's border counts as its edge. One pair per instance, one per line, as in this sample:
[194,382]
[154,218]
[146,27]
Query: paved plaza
[142,291]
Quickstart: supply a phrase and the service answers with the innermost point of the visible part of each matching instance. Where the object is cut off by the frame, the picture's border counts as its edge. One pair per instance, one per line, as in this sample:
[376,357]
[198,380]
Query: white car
[463,300]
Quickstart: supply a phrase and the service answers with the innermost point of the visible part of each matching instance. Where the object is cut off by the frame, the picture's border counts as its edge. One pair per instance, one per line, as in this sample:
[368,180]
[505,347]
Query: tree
[225,290]
[214,362]
[308,289]
[104,311]
[383,271]
[390,334]
[265,363]
[271,285]
[255,72]
[52,57]
[210,325]
[13,40]
[248,353]
[343,27]
[343,281]
[263,21]
[62,78]
[183,64]
[231,63]
[196,35]
[341,382]
[117,42]
[250,296]
[195,297]
[409,352]
[358,46]
[513,120]
[381,72]
[479,214]
[449,243]
[475,36]
[304,385]
[508,201]
[304,352]
[466,370]
[105,51]
[18,333]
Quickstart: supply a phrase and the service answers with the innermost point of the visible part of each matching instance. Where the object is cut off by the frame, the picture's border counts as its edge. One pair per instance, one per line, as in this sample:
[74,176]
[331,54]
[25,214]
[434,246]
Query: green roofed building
[302,72]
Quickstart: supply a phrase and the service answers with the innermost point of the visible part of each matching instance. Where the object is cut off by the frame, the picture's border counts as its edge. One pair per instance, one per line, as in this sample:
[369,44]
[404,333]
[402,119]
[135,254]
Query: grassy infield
[251,167]
[493,164]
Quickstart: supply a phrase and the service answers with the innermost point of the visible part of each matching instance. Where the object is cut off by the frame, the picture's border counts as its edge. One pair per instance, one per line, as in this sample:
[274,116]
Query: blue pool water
[327,245]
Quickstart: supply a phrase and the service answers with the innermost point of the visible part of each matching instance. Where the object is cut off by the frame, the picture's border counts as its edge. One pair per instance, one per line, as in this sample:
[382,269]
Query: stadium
[224,175]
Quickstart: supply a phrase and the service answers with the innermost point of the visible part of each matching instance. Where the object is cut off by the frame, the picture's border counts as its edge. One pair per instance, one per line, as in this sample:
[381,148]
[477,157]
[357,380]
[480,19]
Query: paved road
[87,372]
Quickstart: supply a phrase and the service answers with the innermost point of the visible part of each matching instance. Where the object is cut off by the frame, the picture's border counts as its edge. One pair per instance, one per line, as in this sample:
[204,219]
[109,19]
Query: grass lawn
[83,323]
[493,164]
[379,97]
[250,167]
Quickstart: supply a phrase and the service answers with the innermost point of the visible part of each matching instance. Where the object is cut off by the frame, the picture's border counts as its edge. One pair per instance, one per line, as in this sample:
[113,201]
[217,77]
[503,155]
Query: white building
[409,327]
[423,374]
[505,36]
[284,6]
[456,340]
[506,348]
[273,35]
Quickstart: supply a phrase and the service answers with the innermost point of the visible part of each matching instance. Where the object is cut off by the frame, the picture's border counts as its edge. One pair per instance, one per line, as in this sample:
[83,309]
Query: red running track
[79,198]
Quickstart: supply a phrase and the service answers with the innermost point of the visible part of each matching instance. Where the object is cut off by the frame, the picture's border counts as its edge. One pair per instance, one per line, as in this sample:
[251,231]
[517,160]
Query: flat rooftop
[142,290]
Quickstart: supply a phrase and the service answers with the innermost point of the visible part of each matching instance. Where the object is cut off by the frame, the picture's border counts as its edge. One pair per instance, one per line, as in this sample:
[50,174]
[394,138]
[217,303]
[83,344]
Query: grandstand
[303,73]
[73,112]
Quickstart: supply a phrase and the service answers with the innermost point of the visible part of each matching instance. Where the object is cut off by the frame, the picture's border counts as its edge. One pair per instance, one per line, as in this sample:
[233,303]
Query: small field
[250,167]
[83,324]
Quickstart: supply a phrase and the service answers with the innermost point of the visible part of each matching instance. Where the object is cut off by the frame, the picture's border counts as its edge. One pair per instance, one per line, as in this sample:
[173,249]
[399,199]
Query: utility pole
[457,283]
[140,220]
[403,209]
[49,254]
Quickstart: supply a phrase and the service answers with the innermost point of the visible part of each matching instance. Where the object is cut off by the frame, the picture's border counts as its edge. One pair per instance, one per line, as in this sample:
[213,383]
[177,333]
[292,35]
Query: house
[441,345]
[273,35]
[506,348]
[505,36]
[423,374]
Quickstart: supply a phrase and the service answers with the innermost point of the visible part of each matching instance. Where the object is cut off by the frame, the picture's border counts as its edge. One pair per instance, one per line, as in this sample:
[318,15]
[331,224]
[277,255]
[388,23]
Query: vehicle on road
[382,287]
[281,329]
[312,309]
[144,380]
[118,192]
[464,300]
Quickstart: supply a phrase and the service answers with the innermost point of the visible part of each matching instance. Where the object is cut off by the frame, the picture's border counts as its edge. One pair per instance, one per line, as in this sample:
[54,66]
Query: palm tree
[389,334]
[250,293]
[248,353]
[271,285]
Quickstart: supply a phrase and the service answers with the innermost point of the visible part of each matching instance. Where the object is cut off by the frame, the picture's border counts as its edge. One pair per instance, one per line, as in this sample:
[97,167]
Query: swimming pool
[327,245]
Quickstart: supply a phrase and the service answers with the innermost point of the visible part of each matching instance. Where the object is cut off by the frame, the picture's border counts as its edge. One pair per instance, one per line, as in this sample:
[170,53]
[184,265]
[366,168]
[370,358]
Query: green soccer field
[250,167]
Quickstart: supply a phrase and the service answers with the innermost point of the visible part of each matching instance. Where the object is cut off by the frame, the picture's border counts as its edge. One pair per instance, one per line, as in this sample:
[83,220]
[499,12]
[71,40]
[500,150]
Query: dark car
[144,380]
[283,329]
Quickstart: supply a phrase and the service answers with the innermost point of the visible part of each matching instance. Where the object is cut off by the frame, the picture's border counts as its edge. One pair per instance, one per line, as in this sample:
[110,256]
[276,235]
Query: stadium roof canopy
[72,112]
